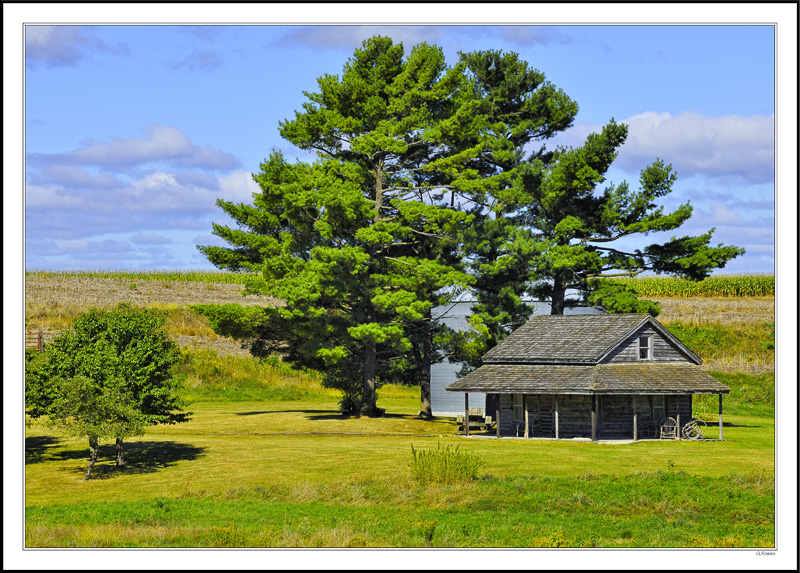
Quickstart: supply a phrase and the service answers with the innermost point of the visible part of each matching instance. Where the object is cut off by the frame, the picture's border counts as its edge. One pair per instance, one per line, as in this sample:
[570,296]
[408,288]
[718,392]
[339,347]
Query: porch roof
[620,378]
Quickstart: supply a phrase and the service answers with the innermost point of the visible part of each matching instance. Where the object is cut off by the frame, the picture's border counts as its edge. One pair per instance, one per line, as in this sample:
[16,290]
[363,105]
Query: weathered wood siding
[628,350]
[506,423]
[614,415]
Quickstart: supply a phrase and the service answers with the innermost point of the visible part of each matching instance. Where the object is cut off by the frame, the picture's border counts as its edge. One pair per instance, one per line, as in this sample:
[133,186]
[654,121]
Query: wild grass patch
[728,343]
[660,509]
[750,395]
[444,465]
[206,375]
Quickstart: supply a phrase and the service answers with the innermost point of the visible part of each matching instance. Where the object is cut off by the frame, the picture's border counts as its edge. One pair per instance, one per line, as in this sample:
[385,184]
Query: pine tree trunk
[94,448]
[425,410]
[120,454]
[370,363]
[559,293]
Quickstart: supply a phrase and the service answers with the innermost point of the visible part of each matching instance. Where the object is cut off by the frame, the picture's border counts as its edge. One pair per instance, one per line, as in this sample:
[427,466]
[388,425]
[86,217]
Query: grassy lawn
[298,474]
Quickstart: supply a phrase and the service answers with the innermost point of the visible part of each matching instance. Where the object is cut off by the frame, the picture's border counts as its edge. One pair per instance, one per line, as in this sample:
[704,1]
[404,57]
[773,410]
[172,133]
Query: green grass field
[268,461]
[295,473]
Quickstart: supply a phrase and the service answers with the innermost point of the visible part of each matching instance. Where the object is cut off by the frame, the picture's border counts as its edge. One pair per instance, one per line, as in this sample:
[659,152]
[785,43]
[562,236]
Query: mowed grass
[268,461]
[298,474]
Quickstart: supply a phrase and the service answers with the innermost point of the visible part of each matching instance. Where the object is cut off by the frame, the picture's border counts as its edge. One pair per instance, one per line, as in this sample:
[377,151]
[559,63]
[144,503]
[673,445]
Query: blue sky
[132,132]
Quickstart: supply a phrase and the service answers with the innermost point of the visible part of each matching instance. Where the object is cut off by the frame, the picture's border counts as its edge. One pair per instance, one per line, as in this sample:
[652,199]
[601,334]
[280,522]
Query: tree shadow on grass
[38,448]
[732,425]
[281,412]
[140,458]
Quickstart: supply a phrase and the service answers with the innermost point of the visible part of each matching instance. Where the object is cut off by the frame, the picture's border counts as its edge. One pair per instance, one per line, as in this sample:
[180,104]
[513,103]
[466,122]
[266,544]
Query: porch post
[720,415]
[556,414]
[678,420]
[633,399]
[525,405]
[466,413]
[594,417]
[497,417]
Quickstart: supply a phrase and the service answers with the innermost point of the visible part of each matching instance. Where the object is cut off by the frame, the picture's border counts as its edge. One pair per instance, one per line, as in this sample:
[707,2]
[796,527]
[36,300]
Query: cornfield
[155,275]
[715,286]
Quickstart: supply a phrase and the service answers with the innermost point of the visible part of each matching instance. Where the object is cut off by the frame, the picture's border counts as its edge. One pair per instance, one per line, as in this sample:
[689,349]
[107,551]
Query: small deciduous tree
[123,361]
[83,407]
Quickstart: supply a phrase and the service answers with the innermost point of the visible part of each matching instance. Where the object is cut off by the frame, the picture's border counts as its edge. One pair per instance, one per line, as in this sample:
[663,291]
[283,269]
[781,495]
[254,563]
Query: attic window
[646,347]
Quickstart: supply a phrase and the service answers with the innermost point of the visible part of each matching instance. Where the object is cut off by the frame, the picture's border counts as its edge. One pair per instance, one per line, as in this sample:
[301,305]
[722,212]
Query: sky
[133,131]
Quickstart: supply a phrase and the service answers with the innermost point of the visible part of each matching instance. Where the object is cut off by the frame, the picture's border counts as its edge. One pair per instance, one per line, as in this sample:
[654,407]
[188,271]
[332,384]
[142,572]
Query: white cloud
[730,148]
[239,186]
[60,46]
[160,144]
[350,37]
[157,201]
[205,61]
[141,239]
[70,176]
[723,215]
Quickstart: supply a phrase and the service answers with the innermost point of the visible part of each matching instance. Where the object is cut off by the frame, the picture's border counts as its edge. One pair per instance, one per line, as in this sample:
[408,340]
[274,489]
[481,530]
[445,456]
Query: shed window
[516,408]
[646,347]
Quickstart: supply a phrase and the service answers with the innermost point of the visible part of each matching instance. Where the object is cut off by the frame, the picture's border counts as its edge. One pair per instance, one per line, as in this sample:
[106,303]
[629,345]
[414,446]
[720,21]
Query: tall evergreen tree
[577,223]
[517,108]
[360,244]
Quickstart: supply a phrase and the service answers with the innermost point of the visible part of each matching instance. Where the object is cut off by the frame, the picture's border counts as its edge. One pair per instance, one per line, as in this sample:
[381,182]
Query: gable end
[665,347]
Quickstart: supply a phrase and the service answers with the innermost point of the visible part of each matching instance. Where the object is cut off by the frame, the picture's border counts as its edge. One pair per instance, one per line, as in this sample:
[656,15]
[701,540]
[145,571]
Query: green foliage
[444,465]
[516,108]
[125,352]
[83,407]
[577,222]
[347,376]
[358,244]
[616,298]
[263,331]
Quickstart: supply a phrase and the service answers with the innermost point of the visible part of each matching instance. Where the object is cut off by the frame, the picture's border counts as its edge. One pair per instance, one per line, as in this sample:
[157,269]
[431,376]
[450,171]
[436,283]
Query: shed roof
[577,339]
[619,378]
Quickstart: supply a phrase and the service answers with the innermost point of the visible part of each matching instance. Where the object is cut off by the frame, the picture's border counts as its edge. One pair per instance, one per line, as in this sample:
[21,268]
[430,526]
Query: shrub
[446,465]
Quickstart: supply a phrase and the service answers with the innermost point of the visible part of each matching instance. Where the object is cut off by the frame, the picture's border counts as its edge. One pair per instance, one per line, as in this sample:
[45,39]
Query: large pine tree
[359,244]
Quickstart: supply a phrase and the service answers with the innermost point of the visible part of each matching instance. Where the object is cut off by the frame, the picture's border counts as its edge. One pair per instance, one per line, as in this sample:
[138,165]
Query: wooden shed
[606,376]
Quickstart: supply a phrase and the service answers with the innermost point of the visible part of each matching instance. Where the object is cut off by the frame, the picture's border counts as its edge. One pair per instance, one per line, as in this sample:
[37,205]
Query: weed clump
[444,465]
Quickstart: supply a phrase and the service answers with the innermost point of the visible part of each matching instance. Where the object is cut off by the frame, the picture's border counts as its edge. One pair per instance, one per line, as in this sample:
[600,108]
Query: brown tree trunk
[559,293]
[120,454]
[425,410]
[94,448]
[370,362]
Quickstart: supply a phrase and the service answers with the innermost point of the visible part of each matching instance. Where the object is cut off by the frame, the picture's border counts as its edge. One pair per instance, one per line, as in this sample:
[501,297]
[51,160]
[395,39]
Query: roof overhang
[618,378]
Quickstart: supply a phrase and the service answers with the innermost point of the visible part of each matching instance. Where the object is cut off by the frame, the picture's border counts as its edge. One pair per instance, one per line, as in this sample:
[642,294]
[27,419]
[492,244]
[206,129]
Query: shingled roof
[621,378]
[554,354]
[577,339]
